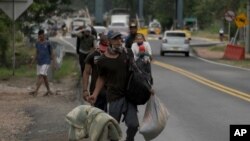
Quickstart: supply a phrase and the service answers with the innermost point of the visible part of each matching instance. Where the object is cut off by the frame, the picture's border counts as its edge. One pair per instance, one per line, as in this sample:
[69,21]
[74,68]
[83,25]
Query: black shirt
[94,74]
[115,73]
[130,40]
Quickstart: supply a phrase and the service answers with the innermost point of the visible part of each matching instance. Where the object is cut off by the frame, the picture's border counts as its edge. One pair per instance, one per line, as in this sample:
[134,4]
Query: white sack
[155,118]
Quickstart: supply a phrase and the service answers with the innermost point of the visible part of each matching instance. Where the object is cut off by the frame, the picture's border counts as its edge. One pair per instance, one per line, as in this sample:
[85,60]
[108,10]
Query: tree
[4,38]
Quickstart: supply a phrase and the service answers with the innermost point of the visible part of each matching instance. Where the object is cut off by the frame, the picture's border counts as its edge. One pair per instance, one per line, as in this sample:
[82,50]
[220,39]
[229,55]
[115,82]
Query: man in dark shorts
[113,72]
[91,70]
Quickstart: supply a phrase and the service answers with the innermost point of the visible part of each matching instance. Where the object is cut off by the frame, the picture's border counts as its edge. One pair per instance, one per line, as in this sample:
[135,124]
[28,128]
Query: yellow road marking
[205,81]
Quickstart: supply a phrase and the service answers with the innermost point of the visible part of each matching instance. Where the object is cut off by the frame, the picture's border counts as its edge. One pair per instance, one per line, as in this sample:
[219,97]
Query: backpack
[138,90]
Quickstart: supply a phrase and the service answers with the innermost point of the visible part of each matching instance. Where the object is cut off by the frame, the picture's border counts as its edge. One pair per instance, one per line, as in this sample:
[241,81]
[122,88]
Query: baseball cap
[109,34]
[116,34]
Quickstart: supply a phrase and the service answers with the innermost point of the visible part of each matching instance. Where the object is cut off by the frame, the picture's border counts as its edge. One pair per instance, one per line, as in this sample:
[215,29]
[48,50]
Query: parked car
[175,42]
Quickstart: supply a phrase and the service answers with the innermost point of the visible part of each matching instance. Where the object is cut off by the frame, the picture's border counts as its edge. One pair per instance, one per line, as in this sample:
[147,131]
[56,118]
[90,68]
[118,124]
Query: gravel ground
[24,117]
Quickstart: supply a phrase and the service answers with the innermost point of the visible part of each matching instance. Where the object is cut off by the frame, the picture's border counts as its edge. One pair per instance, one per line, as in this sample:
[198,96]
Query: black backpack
[138,89]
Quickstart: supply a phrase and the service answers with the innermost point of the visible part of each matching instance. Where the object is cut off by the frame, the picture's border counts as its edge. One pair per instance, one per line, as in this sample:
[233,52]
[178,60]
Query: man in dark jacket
[132,34]
[85,44]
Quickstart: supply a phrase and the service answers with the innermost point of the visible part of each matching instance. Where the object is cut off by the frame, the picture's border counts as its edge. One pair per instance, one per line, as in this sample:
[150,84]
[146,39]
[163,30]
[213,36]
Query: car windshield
[118,24]
[175,35]
[78,23]
[155,25]
[100,30]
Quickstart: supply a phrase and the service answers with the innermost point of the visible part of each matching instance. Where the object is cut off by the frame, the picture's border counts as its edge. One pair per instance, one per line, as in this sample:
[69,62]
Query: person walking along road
[85,44]
[44,55]
[113,71]
[132,34]
[91,70]
[142,54]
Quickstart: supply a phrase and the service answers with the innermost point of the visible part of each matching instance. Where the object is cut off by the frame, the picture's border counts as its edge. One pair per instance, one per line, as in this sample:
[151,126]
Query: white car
[175,42]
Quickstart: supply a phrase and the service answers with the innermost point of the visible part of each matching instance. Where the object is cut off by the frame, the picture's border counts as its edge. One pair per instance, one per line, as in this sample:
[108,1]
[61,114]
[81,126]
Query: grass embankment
[239,63]
[23,69]
[68,68]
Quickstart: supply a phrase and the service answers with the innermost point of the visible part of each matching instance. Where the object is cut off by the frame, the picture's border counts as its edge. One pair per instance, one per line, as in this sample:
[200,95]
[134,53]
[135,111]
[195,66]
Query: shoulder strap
[132,64]
[49,46]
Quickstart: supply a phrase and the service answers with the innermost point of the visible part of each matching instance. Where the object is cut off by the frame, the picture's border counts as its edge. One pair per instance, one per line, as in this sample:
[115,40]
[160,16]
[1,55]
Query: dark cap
[116,34]
[110,33]
[41,31]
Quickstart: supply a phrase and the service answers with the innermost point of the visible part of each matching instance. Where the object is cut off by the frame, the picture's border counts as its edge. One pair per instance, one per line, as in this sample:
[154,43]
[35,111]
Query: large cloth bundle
[155,118]
[87,121]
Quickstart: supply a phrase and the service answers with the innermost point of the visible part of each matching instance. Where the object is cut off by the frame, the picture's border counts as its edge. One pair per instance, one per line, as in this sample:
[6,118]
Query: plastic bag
[155,118]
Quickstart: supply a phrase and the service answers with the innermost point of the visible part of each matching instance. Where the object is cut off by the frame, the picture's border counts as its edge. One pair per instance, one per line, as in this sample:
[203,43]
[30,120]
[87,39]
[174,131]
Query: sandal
[33,93]
[48,93]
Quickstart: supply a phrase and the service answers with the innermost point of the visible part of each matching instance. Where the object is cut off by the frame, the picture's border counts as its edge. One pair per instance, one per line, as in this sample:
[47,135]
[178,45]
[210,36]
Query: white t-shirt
[135,49]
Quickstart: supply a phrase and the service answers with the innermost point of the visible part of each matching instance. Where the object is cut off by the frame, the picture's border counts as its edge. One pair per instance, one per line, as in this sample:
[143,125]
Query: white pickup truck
[120,24]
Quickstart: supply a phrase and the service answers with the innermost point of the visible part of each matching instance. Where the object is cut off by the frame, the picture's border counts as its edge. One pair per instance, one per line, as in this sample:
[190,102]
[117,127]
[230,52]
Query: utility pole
[248,28]
[14,49]
[140,9]
[179,13]
[99,11]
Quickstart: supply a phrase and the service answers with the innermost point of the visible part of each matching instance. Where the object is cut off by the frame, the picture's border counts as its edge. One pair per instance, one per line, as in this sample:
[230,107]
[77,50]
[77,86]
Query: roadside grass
[209,35]
[22,71]
[217,48]
[238,63]
[205,34]
[68,68]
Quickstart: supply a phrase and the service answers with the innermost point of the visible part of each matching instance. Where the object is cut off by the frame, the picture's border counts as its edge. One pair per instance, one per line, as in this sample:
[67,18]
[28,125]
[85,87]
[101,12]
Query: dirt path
[27,118]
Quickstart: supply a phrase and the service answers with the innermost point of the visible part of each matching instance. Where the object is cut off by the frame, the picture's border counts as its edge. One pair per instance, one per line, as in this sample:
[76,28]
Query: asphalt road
[203,98]
[199,111]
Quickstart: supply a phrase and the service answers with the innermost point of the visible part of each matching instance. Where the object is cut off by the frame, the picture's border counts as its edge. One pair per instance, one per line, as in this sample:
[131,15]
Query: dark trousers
[101,101]
[122,107]
[82,58]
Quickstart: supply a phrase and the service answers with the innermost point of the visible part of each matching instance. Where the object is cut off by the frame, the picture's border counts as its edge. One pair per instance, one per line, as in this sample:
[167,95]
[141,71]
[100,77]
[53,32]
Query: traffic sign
[241,20]
[14,8]
[229,16]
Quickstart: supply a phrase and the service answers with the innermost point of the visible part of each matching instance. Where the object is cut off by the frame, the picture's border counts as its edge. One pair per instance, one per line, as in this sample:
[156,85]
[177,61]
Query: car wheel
[162,53]
[187,54]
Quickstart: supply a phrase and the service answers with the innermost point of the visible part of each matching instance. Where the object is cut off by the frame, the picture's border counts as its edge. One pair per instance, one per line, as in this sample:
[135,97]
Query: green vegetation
[217,48]
[206,34]
[239,63]
[68,68]
[23,71]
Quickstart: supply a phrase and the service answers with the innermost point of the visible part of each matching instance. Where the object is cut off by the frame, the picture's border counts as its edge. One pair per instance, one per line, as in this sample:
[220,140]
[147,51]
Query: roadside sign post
[248,29]
[229,16]
[240,21]
[14,8]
